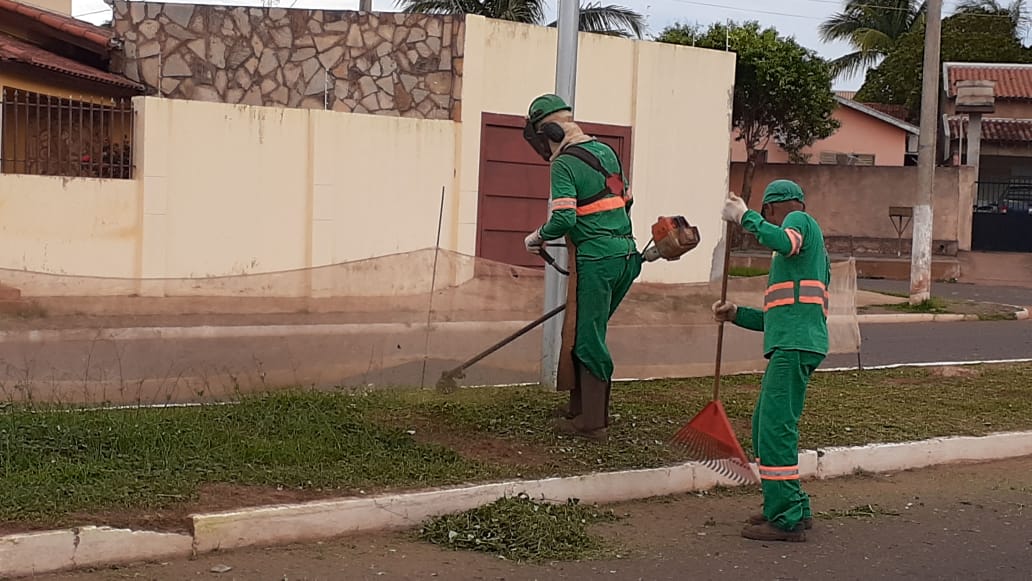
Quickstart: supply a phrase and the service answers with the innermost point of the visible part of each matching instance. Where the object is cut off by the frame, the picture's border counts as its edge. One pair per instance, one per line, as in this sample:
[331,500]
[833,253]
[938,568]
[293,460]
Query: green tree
[610,19]
[966,37]
[782,90]
[872,27]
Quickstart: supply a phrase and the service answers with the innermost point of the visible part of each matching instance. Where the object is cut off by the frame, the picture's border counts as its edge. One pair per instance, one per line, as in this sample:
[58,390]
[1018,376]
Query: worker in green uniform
[590,206]
[794,322]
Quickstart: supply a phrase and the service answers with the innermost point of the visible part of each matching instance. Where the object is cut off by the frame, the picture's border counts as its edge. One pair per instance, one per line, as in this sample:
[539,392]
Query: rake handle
[723,299]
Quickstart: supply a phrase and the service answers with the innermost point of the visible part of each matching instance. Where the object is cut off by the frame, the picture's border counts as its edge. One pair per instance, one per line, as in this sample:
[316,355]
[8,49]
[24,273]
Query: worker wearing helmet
[590,207]
[795,342]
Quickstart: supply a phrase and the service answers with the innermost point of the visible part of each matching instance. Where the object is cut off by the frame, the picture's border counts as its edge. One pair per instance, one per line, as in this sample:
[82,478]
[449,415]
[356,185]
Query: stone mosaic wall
[380,63]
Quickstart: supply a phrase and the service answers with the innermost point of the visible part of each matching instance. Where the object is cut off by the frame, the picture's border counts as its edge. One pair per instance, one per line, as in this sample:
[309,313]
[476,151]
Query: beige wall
[225,190]
[653,87]
[79,226]
[859,134]
[854,201]
[59,6]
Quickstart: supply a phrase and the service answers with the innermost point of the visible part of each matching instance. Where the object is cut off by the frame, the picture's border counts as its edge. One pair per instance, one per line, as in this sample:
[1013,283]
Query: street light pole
[555,283]
[921,248]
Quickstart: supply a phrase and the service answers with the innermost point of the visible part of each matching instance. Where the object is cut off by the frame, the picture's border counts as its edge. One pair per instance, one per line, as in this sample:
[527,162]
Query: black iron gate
[1002,221]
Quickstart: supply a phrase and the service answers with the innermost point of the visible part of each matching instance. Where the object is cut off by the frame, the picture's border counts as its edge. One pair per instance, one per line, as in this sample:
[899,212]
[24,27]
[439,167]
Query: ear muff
[553,132]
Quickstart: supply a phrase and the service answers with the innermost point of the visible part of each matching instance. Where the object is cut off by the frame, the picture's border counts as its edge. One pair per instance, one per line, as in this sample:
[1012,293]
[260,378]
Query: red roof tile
[898,111]
[994,129]
[1013,81]
[14,50]
[95,35]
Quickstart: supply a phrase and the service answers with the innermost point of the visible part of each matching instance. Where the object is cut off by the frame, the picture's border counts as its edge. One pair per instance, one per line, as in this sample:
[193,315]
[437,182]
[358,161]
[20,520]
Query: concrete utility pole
[365,5]
[921,252]
[555,283]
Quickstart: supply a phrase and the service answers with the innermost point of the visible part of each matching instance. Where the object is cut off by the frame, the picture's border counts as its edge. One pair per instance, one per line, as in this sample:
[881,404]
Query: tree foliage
[872,27]
[782,90]
[966,37]
[594,17]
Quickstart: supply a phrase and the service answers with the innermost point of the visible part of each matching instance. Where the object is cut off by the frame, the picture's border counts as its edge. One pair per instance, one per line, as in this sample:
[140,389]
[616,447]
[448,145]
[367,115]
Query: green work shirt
[795,311]
[604,234]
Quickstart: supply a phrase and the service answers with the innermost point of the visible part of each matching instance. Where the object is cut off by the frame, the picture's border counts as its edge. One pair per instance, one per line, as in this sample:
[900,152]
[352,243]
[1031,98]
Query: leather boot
[759,519]
[592,421]
[769,532]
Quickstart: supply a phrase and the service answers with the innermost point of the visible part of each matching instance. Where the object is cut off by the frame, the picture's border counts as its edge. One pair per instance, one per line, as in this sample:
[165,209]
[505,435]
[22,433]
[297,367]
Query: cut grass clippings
[520,529]
[59,467]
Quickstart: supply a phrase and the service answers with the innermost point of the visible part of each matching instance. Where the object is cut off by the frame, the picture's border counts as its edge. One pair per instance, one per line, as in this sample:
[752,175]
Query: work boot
[592,421]
[769,532]
[759,519]
[573,408]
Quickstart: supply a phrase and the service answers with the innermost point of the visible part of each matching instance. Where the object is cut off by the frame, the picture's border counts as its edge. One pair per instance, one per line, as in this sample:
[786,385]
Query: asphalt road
[1005,295]
[890,343]
[969,522]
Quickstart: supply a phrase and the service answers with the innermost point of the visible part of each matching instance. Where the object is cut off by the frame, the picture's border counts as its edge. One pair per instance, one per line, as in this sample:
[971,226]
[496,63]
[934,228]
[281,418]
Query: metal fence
[1004,197]
[55,136]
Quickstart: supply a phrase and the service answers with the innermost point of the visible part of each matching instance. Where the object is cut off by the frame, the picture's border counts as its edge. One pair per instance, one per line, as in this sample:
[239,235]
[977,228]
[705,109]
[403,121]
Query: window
[836,158]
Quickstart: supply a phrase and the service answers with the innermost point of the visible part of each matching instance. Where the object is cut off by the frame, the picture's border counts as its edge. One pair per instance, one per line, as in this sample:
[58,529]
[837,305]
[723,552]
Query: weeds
[57,462]
[522,530]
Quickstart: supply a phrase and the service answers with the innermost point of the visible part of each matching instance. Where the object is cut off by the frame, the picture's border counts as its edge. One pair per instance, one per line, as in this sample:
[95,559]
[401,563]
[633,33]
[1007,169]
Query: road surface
[1004,295]
[969,522]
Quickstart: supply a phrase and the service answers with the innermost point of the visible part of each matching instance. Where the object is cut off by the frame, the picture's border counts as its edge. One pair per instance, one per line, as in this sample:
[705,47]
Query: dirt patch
[954,371]
[480,448]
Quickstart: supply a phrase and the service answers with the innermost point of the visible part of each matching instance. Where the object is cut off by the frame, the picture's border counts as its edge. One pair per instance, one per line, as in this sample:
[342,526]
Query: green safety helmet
[544,106]
[782,191]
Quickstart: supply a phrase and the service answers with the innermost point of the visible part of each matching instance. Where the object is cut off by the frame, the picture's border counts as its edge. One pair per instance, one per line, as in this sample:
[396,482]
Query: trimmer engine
[673,236]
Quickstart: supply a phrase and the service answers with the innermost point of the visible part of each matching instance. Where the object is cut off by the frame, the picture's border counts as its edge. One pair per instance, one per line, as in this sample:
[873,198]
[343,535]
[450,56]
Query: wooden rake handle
[723,299]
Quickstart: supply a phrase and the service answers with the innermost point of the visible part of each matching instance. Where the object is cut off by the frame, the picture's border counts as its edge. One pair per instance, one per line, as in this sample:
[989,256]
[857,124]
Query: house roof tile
[1013,81]
[97,36]
[995,129]
[14,50]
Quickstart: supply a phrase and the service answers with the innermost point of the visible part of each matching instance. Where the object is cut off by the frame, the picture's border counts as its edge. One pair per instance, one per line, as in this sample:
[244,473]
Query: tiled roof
[95,35]
[1013,81]
[898,111]
[14,50]
[994,129]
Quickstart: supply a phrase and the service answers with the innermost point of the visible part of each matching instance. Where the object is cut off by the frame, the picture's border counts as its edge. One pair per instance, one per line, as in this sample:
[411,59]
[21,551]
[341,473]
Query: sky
[796,18]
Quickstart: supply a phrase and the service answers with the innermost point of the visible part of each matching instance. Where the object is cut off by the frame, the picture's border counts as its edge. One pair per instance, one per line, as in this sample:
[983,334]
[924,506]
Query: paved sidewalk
[952,522]
[1006,295]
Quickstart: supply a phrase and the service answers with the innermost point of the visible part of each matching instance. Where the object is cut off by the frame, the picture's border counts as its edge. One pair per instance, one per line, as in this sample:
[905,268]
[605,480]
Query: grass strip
[520,529]
[56,466]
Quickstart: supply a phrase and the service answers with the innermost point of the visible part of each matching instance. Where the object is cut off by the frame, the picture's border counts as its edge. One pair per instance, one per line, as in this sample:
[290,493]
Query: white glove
[734,208]
[724,312]
[533,242]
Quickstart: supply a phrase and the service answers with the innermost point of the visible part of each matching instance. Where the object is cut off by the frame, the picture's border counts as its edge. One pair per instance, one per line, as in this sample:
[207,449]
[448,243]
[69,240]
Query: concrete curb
[1020,314]
[256,331]
[42,552]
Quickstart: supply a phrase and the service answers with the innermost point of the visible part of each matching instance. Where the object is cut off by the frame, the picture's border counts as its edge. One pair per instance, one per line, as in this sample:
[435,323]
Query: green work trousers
[601,285]
[775,433]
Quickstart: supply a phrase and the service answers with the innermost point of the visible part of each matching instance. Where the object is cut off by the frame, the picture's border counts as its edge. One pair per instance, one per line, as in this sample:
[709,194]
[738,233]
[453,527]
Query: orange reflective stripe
[779,472]
[778,303]
[779,286]
[562,204]
[603,205]
[814,292]
[797,240]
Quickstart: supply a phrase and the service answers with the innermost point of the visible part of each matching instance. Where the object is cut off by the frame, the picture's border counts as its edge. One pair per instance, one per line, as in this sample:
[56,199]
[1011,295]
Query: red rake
[709,438]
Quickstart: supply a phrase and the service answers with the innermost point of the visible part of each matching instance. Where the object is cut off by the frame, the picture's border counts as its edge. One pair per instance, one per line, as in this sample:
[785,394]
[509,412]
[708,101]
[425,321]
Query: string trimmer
[673,236]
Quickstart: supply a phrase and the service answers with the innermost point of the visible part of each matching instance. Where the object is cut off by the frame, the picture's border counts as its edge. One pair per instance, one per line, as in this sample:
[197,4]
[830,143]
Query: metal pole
[555,283]
[921,253]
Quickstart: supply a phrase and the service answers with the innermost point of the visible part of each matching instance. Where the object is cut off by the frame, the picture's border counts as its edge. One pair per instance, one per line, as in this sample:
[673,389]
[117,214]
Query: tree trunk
[737,234]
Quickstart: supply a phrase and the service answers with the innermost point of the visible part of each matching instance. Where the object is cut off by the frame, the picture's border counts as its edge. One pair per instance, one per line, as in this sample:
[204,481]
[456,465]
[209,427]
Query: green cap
[544,106]
[782,191]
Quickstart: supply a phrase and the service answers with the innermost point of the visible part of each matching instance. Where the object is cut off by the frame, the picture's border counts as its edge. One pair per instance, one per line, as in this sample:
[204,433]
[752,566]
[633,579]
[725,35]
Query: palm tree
[1015,11]
[873,27]
[611,20]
